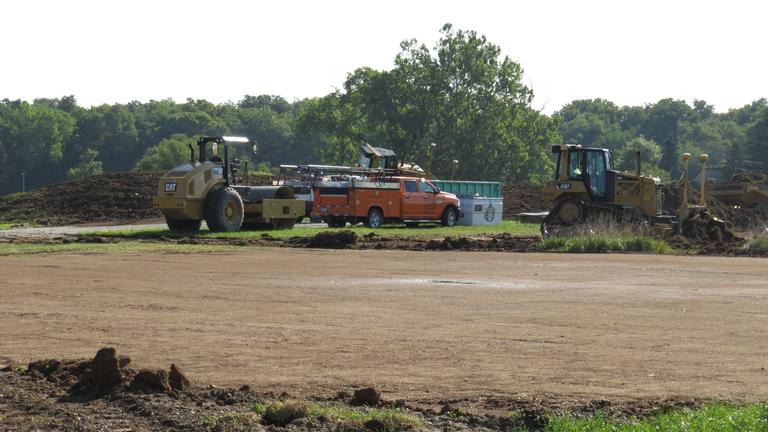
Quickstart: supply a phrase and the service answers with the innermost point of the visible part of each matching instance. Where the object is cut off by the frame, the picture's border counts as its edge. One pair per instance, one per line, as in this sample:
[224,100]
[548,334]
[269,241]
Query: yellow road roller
[206,188]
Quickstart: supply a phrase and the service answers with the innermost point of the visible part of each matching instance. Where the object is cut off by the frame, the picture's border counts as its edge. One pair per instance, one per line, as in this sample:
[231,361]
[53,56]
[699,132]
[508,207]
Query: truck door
[429,200]
[413,207]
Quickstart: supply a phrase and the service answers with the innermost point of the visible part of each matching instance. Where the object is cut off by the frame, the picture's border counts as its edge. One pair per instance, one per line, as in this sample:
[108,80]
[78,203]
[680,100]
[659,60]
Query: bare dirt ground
[423,327]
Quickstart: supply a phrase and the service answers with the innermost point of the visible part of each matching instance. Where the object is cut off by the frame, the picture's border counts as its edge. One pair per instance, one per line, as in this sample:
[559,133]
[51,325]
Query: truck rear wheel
[449,217]
[183,224]
[375,218]
[224,210]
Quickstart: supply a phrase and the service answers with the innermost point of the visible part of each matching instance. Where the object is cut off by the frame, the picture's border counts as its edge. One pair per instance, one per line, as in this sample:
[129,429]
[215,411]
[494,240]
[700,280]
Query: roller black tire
[224,210]
[183,224]
[449,217]
[283,223]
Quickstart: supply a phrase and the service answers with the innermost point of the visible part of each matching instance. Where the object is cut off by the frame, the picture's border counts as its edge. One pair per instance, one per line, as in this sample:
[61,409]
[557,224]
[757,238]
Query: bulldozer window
[574,164]
[597,173]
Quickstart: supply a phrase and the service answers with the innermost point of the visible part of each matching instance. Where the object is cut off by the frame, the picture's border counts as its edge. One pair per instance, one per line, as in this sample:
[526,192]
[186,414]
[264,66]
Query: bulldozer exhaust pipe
[638,163]
[684,202]
[703,179]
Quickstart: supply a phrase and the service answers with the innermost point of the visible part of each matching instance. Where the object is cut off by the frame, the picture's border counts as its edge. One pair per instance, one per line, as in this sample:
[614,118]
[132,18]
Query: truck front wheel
[449,217]
[375,218]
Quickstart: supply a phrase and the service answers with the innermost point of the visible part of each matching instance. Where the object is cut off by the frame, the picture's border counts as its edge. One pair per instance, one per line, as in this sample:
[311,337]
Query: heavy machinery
[207,189]
[743,189]
[586,186]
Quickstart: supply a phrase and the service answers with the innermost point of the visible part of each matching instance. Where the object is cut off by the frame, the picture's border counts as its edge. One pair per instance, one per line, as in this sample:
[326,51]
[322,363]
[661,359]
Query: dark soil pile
[523,198]
[112,196]
[41,397]
[749,178]
[117,196]
[739,217]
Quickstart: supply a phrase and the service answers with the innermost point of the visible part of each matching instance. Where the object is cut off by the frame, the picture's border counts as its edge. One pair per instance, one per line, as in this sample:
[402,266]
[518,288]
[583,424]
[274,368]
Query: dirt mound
[111,196]
[333,240]
[106,373]
[738,217]
[522,198]
[116,196]
[749,178]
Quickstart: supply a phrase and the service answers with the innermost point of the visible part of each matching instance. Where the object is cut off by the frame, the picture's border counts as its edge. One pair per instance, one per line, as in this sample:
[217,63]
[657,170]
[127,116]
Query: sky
[629,52]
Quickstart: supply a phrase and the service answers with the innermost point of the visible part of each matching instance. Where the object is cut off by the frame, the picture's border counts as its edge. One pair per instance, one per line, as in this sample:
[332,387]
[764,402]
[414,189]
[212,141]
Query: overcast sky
[629,52]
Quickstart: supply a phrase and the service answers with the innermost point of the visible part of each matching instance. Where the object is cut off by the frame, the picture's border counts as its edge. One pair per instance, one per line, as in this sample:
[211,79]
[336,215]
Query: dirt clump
[366,396]
[333,240]
[177,380]
[282,414]
[151,381]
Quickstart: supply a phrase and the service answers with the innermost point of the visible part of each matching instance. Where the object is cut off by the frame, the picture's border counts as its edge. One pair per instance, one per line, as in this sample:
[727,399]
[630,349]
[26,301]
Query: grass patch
[341,418]
[711,418]
[758,245]
[424,231]
[258,407]
[757,239]
[602,244]
[230,421]
[127,247]
[5,226]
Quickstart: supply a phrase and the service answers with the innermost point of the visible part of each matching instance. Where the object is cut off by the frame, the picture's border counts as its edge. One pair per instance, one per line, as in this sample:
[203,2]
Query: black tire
[449,217]
[300,219]
[336,222]
[224,210]
[375,218]
[283,223]
[183,224]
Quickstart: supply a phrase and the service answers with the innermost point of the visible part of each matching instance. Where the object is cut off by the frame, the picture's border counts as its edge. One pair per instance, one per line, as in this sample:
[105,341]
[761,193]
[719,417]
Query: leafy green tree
[167,154]
[88,166]
[757,142]
[663,125]
[625,159]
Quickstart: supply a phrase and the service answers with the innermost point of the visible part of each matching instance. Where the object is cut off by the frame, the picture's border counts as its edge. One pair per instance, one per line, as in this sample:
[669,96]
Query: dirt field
[419,326]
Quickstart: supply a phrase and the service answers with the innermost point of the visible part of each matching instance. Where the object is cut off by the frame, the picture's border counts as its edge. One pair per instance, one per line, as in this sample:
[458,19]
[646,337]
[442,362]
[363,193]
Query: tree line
[460,94]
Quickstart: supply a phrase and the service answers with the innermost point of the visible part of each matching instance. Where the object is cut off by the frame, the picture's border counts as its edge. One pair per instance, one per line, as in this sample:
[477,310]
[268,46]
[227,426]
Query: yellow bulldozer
[208,188]
[585,186]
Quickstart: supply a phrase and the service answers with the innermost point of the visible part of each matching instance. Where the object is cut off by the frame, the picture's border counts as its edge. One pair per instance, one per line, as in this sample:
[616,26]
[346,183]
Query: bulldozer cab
[590,166]
[377,158]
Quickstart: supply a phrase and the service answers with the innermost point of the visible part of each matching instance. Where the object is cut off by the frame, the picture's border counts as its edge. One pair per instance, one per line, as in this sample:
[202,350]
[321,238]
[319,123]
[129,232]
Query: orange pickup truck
[374,201]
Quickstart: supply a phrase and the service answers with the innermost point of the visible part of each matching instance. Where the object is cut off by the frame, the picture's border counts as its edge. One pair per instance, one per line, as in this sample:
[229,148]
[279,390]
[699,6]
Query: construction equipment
[207,189]
[743,189]
[586,187]
[372,158]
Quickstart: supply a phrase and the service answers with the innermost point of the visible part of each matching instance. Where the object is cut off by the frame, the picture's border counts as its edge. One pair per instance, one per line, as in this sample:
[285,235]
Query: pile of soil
[742,218]
[749,178]
[523,198]
[120,196]
[41,397]
[116,196]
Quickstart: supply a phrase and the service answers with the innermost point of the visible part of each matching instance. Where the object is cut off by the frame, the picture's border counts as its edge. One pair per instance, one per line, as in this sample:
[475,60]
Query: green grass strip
[711,418]
[128,247]
[425,231]
[599,244]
